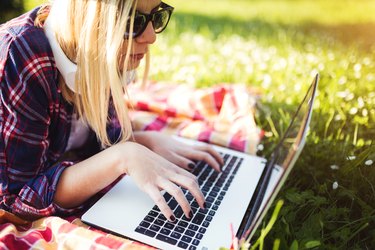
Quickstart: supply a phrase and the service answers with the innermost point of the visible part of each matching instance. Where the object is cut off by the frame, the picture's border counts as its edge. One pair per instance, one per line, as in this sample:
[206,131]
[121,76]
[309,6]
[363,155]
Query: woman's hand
[153,173]
[180,153]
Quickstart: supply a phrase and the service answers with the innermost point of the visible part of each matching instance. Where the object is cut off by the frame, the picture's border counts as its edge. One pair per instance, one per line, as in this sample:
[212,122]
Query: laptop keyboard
[187,233]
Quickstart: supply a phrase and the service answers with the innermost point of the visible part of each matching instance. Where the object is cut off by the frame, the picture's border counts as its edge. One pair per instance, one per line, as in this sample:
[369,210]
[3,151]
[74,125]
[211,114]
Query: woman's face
[141,42]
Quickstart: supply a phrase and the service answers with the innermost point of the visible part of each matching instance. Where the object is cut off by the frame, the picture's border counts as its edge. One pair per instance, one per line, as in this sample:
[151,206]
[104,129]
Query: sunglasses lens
[139,23]
[161,19]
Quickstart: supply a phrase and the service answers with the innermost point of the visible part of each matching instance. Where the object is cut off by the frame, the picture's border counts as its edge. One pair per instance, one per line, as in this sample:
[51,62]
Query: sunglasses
[158,18]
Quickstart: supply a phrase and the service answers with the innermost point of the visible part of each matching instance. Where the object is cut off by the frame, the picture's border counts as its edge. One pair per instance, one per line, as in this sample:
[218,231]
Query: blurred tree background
[10,8]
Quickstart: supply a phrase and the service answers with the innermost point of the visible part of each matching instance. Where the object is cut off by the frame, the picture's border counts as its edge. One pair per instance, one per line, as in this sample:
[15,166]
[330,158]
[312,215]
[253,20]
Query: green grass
[277,46]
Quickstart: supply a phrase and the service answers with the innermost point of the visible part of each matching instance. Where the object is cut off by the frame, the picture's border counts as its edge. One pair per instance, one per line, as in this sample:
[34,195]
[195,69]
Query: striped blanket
[223,115]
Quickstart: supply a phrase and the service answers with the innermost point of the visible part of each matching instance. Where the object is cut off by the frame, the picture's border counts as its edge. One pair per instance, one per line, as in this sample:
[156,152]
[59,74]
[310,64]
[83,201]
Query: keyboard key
[159,222]
[194,204]
[167,196]
[195,242]
[156,208]
[144,224]
[208,204]
[189,233]
[153,213]
[162,217]
[192,248]
[213,194]
[178,212]
[149,218]
[172,204]
[183,223]
[211,213]
[203,210]
[199,236]
[210,199]
[202,230]
[169,225]
[186,239]
[155,228]
[193,227]
[179,229]
[205,223]
[165,231]
[175,235]
[166,239]
[198,218]
[150,233]
[183,245]
[189,197]
[140,229]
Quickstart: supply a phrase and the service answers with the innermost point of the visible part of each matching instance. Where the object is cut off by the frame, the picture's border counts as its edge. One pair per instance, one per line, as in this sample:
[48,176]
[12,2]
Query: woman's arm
[151,172]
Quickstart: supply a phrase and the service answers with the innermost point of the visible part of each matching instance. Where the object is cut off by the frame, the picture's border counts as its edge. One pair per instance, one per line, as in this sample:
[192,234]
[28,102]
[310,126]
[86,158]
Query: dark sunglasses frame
[150,17]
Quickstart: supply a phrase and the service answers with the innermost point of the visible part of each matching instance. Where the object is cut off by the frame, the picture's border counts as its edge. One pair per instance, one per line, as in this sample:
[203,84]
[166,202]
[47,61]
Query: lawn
[277,46]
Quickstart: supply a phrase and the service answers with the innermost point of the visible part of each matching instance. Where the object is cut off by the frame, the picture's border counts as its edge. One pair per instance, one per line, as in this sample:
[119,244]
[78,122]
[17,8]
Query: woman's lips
[137,56]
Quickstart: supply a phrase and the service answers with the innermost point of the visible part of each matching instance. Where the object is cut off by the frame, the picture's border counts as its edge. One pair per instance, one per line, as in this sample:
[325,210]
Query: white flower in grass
[335,185]
[364,112]
[361,102]
[334,167]
[342,80]
[353,111]
[357,67]
[351,157]
[337,117]
[369,162]
[260,147]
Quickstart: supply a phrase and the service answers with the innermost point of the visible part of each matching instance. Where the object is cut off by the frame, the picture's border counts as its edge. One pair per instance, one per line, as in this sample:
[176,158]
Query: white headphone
[66,67]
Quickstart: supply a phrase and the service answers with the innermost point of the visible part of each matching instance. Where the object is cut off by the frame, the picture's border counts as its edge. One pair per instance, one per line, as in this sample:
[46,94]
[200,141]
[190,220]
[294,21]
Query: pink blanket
[223,115]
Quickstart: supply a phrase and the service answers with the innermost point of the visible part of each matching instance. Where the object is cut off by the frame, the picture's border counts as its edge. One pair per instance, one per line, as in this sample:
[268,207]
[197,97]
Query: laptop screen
[284,156]
[294,137]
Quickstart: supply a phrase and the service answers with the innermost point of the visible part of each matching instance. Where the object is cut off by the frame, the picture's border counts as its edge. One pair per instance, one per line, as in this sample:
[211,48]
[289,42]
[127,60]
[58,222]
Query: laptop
[237,199]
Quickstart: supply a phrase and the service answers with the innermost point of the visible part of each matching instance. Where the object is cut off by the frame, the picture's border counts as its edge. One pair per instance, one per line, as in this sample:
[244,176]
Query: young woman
[63,75]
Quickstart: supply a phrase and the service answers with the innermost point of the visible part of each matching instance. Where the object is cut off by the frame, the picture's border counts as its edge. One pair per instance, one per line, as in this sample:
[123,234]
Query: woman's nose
[148,36]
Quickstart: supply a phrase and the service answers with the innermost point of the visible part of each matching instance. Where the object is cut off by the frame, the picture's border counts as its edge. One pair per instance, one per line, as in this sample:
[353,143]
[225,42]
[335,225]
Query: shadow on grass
[357,35]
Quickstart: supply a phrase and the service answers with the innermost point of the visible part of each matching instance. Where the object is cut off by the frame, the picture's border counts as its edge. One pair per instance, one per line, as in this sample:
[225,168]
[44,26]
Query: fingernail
[173,219]
[190,214]
[191,165]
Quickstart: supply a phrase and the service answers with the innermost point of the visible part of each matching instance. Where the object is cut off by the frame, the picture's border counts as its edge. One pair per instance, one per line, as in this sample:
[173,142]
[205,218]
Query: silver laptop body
[128,212]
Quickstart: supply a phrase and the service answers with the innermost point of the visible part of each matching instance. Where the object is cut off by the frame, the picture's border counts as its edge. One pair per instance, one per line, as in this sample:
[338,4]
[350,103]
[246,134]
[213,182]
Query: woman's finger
[181,161]
[179,196]
[159,200]
[191,184]
[209,149]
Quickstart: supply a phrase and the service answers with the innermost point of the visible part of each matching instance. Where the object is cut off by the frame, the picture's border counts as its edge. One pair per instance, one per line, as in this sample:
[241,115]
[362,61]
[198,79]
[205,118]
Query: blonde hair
[91,34]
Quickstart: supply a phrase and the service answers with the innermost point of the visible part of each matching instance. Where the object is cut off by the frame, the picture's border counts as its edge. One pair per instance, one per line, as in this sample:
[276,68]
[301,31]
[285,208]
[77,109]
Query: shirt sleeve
[29,170]
[113,126]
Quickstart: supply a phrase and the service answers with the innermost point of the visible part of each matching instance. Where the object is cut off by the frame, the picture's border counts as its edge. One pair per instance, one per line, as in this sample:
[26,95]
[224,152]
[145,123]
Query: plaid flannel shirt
[35,121]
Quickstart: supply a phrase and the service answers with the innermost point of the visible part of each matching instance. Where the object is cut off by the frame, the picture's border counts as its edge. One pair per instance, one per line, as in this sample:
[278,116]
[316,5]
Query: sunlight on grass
[289,12]
[277,47]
